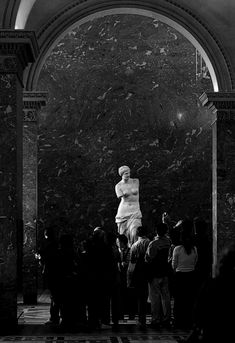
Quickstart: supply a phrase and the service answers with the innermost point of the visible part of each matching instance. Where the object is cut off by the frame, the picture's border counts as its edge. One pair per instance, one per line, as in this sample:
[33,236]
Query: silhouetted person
[184,260]
[69,285]
[158,270]
[115,279]
[174,236]
[137,273]
[49,260]
[84,265]
[204,250]
[127,294]
[99,263]
[213,315]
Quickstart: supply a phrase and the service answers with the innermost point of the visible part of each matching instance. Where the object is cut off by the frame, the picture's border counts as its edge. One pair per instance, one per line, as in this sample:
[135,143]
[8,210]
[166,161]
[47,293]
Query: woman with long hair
[184,260]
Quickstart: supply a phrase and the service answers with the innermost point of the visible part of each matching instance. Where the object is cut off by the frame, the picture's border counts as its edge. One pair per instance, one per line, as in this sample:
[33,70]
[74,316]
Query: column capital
[17,49]
[33,101]
[222,103]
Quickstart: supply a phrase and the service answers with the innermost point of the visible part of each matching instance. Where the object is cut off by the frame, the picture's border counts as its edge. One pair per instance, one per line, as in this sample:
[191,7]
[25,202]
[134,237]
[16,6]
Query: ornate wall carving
[30,115]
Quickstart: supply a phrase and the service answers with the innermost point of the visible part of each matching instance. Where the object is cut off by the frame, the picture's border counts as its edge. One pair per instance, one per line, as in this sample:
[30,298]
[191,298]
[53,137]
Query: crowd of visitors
[107,279]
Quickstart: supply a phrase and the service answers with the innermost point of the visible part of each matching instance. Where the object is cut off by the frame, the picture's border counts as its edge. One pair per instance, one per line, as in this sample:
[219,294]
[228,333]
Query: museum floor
[32,328]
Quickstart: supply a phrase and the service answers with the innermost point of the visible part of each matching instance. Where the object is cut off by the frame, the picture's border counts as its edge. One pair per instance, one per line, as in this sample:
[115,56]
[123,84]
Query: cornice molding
[13,41]
[221,103]
[34,99]
[18,48]
[217,97]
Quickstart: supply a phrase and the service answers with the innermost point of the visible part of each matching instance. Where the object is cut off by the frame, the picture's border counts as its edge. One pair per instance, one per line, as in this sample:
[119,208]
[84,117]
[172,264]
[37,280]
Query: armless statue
[128,216]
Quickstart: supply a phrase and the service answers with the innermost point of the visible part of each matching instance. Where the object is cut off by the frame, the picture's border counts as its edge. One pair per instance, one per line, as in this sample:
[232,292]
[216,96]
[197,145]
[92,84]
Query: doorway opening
[123,89]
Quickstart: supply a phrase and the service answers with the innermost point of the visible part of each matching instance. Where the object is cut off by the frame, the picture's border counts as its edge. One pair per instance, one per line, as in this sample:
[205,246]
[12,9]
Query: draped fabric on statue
[128,226]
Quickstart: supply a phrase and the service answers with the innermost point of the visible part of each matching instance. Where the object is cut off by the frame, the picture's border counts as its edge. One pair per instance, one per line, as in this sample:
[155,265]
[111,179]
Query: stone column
[33,101]
[222,106]
[17,49]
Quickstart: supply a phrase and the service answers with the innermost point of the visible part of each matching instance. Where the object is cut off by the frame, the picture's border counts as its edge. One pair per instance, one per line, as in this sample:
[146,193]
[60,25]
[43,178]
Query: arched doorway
[51,34]
[153,142]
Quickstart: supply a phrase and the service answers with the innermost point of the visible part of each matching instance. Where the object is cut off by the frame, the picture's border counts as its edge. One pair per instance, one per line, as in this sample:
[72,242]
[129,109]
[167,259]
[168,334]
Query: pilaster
[222,106]
[32,101]
[17,49]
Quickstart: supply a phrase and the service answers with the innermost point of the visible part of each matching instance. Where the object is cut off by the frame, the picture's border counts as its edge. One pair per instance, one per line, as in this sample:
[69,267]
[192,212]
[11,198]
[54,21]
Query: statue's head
[123,169]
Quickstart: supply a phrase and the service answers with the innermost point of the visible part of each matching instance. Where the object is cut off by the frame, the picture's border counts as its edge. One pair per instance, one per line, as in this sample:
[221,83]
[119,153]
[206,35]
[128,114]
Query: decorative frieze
[30,115]
[33,101]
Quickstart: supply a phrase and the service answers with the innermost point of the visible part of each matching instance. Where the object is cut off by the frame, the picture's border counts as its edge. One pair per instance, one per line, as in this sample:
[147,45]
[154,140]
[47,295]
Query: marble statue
[128,216]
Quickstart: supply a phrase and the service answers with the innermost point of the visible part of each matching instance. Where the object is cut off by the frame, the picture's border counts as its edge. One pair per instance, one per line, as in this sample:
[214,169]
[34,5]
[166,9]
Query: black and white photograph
[117,164]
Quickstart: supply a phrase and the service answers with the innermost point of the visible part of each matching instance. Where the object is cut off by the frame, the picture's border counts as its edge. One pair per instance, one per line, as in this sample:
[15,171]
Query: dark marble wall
[9,89]
[226,181]
[123,90]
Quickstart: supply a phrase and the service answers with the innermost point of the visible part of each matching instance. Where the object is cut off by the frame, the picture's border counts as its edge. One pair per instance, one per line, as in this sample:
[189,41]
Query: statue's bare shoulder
[118,189]
[118,185]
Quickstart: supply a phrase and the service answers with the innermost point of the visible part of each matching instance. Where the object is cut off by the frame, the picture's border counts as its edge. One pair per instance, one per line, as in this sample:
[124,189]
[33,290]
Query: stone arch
[168,11]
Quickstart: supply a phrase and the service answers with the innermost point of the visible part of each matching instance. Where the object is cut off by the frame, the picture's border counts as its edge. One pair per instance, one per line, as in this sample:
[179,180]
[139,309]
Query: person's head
[161,229]
[175,236]
[122,241]
[124,172]
[99,234]
[185,225]
[186,239]
[141,231]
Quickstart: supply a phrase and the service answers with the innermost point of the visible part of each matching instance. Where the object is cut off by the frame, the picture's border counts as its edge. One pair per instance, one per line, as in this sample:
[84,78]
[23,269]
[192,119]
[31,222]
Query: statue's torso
[130,203]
